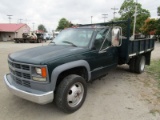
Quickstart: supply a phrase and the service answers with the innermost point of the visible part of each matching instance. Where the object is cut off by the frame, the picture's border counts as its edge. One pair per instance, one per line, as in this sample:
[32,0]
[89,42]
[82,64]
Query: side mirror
[116,36]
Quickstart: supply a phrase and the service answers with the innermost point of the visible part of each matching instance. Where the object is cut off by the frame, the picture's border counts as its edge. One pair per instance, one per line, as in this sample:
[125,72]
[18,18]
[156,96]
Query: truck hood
[44,54]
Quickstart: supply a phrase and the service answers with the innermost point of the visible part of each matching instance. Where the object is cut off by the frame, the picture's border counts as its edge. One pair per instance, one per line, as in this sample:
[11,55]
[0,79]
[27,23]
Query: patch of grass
[154,111]
[154,69]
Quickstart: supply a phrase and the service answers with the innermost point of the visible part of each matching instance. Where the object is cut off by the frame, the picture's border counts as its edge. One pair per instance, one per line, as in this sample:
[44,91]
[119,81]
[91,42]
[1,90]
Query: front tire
[71,93]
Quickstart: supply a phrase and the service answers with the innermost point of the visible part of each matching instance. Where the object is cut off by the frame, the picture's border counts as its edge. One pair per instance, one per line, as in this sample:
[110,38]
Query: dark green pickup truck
[75,57]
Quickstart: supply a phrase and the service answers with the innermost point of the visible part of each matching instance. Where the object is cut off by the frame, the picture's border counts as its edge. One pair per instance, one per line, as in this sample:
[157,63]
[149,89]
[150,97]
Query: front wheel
[71,93]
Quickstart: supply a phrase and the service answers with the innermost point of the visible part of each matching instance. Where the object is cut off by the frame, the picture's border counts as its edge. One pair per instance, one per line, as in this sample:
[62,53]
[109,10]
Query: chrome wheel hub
[142,64]
[75,94]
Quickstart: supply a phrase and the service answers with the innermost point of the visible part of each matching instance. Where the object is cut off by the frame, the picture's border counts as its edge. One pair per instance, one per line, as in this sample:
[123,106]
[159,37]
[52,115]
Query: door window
[100,37]
[107,41]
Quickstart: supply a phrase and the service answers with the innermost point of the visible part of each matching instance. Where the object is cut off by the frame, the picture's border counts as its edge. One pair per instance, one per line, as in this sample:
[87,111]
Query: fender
[59,69]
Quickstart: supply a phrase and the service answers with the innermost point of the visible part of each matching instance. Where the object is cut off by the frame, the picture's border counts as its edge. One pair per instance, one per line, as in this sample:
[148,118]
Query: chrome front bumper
[28,94]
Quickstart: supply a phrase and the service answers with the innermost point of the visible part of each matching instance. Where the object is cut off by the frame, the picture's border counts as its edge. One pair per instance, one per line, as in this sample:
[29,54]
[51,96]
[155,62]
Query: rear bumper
[28,93]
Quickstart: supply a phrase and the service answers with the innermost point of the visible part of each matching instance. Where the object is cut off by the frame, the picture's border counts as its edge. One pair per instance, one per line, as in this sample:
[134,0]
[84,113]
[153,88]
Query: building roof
[12,27]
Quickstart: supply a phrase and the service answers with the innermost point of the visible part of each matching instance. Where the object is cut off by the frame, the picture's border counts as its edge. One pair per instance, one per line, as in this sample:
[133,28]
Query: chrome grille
[20,73]
[27,76]
[25,67]
[19,66]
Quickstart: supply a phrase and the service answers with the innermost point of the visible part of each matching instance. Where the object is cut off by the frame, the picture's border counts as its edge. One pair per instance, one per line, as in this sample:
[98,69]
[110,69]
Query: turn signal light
[44,72]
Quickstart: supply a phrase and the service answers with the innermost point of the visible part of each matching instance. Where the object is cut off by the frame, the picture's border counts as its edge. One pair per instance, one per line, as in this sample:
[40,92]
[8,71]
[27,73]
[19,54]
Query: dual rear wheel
[137,64]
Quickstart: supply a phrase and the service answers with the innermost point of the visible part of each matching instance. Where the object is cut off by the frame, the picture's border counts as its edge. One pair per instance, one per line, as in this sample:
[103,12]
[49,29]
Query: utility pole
[134,25]
[114,12]
[104,16]
[20,20]
[91,19]
[9,17]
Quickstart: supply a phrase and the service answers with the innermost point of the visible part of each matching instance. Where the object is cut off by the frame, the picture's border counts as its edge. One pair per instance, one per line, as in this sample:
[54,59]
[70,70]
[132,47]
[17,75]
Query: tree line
[144,24]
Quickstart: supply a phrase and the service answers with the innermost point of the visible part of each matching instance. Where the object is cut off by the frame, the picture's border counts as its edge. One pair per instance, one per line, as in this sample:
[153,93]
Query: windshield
[75,37]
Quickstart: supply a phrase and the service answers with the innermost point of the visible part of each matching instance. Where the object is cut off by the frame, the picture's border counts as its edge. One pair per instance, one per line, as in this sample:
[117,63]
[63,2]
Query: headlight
[41,71]
[38,71]
[41,74]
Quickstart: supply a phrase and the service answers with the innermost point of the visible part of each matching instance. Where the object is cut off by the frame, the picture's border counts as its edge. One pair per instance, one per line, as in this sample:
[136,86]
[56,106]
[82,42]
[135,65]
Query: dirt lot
[120,95]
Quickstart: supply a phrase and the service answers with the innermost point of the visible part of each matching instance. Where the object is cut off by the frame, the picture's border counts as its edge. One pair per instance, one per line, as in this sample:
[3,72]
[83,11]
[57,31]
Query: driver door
[105,56]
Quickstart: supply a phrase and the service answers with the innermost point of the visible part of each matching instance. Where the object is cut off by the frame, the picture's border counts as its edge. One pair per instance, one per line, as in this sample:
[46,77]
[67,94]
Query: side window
[100,38]
[107,41]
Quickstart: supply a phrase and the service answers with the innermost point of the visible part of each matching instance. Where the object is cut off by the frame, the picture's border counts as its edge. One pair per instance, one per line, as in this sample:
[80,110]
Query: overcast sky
[49,12]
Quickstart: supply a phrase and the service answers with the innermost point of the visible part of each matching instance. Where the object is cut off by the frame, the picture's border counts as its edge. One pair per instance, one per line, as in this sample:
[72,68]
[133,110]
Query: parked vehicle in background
[26,38]
[55,34]
[46,36]
[40,37]
[50,36]
[30,37]
[76,56]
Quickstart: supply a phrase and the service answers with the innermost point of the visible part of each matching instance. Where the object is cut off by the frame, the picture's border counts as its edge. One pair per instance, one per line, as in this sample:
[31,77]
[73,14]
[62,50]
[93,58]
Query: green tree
[42,28]
[127,10]
[158,27]
[150,26]
[63,23]
[158,11]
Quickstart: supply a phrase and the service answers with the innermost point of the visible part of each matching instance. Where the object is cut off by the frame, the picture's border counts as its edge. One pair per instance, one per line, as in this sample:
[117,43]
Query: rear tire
[71,93]
[140,64]
[132,64]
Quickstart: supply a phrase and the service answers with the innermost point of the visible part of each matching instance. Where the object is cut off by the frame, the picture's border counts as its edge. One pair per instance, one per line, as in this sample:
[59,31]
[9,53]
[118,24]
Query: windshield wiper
[70,43]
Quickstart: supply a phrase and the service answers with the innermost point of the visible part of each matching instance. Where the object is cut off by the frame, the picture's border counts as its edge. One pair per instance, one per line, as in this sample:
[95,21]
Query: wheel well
[147,57]
[81,71]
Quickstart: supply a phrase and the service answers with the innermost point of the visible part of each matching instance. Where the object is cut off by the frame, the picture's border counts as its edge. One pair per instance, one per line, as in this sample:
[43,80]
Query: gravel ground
[120,95]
